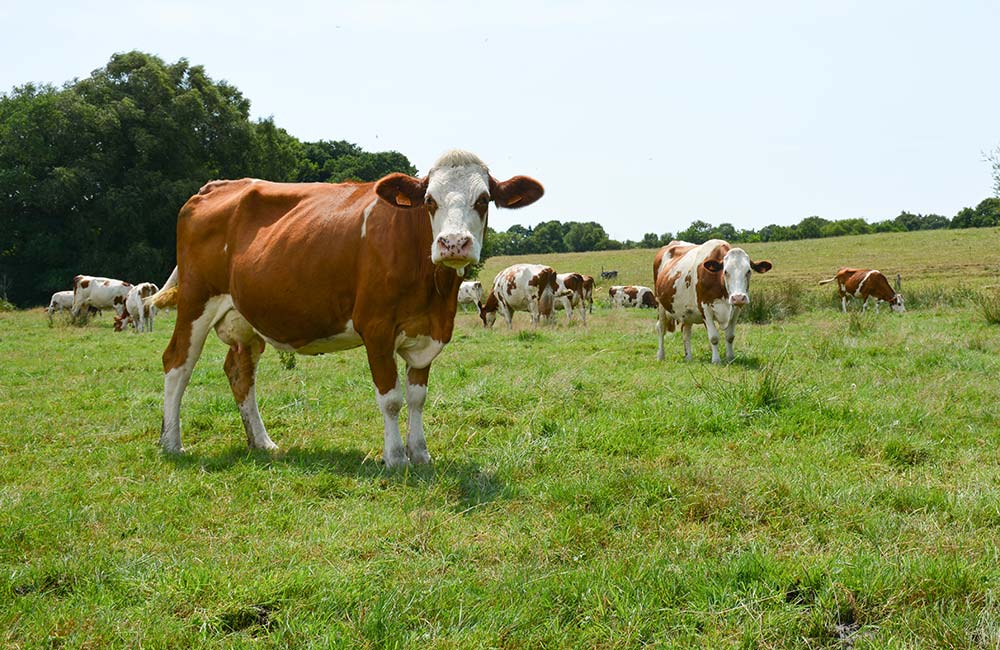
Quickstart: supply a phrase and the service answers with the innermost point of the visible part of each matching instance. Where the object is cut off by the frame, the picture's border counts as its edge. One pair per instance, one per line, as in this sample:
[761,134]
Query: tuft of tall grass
[763,391]
[860,323]
[775,303]
[287,359]
[988,302]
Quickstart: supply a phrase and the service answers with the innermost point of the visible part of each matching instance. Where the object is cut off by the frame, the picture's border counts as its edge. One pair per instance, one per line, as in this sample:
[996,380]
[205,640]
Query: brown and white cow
[706,284]
[470,293]
[138,310]
[521,287]
[632,296]
[588,292]
[865,284]
[570,295]
[99,293]
[319,267]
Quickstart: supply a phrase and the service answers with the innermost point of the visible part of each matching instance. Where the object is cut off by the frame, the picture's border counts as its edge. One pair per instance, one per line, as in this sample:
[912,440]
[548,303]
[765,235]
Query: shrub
[774,304]
[988,301]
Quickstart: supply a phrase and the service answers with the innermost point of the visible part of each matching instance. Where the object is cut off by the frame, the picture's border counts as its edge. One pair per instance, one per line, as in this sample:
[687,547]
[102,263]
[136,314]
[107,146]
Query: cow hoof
[396,460]
[173,450]
[267,446]
[419,457]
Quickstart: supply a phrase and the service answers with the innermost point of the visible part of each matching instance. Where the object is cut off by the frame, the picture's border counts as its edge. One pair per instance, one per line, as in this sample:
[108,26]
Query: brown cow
[320,267]
[865,284]
[632,296]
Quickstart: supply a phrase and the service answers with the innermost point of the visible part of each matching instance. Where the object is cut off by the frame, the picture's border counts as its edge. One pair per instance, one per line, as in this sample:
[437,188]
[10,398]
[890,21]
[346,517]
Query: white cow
[706,284]
[61,301]
[521,287]
[99,293]
[632,296]
[470,292]
[140,312]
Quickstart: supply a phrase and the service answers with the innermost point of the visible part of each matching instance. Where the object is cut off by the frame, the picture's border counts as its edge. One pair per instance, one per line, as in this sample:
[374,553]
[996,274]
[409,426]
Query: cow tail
[165,297]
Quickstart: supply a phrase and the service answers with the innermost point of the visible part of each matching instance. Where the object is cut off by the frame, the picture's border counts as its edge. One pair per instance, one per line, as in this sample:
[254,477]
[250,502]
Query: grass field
[837,486]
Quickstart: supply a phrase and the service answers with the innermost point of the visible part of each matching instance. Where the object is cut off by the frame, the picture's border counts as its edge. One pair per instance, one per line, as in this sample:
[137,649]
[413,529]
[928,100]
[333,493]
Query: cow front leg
[713,332]
[389,397]
[416,395]
[686,332]
[730,337]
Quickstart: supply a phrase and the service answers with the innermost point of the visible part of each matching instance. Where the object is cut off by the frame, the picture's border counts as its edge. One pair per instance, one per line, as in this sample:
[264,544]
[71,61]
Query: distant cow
[570,294]
[314,268]
[632,296]
[138,310]
[865,284]
[702,284]
[521,287]
[60,301]
[99,293]
[588,292]
[470,293]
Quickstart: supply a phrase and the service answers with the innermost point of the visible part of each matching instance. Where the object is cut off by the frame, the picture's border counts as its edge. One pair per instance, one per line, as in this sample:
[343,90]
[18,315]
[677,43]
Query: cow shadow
[472,484]
[748,362]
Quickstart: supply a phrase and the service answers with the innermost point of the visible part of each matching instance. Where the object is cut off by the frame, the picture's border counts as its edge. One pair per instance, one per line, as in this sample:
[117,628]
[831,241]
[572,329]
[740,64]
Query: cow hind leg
[661,327]
[416,395]
[194,320]
[245,348]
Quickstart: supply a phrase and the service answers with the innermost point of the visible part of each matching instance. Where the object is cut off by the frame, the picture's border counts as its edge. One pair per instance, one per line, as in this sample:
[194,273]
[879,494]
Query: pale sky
[640,116]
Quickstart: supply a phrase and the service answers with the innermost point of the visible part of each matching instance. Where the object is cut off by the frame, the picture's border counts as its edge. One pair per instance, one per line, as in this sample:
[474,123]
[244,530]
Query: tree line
[93,173]
[574,236]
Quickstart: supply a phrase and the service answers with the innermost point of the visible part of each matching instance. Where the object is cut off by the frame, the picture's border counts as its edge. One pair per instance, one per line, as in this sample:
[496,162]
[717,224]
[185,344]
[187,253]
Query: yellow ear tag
[515,200]
[402,199]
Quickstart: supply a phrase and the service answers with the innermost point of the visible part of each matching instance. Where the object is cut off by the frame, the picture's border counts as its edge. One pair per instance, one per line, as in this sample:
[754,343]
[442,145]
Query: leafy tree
[588,236]
[92,174]
[548,238]
[650,240]
[698,232]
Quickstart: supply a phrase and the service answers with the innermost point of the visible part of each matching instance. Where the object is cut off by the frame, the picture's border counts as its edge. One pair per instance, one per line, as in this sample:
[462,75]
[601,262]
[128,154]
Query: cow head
[456,194]
[488,312]
[736,267]
[897,303]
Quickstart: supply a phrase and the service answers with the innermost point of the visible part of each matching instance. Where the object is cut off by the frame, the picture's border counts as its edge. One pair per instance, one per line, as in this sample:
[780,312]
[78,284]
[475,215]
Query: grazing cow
[632,296]
[320,267]
[99,293]
[702,284]
[470,293]
[865,284]
[60,301]
[570,294]
[588,292]
[137,310]
[521,287]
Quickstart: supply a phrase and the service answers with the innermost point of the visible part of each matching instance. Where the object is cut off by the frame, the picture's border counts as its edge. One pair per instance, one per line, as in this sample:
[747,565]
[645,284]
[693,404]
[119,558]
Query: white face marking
[736,274]
[455,190]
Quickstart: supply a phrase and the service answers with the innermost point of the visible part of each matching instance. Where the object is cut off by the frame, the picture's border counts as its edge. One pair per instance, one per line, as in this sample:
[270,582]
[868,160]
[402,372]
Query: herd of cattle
[318,267]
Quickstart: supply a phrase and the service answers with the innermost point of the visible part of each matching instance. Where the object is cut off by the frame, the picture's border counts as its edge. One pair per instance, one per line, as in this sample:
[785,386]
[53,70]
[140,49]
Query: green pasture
[838,485]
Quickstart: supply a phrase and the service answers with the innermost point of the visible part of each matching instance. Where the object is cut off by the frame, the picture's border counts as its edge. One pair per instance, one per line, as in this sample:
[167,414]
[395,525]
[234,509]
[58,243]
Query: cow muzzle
[739,299]
[455,250]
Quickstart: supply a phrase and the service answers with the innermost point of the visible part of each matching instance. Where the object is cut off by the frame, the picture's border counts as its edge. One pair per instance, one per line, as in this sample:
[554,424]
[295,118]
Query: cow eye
[482,200]
[431,203]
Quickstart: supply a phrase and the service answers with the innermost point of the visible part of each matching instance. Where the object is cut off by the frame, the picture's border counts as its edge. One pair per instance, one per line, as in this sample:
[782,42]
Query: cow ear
[712,265]
[762,266]
[401,190]
[516,192]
